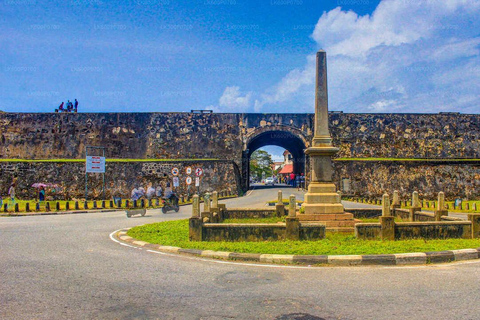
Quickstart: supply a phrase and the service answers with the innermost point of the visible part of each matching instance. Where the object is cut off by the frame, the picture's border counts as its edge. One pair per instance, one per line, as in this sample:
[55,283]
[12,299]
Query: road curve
[67,267]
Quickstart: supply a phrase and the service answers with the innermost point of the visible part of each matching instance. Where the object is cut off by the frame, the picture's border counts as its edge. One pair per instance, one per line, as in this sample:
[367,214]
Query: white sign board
[95,164]
[197,182]
[176,182]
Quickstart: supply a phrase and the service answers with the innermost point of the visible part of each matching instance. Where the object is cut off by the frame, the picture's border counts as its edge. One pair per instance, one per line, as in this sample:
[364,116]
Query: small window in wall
[346,185]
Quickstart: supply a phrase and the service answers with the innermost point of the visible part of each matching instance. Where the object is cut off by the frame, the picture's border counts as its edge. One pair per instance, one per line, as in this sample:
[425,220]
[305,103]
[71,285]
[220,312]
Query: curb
[400,259]
[52,213]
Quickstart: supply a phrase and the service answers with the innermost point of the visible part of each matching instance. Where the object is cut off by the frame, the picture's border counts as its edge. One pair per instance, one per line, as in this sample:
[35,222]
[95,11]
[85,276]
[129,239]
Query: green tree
[261,161]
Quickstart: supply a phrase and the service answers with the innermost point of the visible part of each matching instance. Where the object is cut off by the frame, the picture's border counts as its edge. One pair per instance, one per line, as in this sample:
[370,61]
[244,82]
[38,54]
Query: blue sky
[239,56]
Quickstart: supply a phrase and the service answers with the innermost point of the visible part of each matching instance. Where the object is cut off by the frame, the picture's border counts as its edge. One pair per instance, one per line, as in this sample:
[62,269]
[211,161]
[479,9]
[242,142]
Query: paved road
[66,267]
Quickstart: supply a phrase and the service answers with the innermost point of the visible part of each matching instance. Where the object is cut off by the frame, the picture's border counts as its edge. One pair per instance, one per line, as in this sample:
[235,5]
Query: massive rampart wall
[189,135]
[223,136]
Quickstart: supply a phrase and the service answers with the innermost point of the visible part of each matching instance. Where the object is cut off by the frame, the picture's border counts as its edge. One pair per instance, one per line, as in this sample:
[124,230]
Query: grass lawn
[175,233]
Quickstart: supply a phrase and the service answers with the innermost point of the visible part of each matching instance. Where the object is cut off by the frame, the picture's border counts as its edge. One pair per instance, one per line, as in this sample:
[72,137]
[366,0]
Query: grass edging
[402,259]
[330,249]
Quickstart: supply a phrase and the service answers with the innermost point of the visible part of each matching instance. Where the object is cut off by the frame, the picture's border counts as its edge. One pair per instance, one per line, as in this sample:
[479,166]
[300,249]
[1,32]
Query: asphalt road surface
[67,267]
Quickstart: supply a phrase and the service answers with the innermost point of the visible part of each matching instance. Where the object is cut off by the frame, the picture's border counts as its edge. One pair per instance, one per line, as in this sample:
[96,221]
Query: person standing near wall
[11,194]
[41,194]
[150,192]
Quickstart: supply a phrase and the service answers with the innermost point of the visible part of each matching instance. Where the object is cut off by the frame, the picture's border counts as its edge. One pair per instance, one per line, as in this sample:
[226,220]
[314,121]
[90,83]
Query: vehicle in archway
[269,181]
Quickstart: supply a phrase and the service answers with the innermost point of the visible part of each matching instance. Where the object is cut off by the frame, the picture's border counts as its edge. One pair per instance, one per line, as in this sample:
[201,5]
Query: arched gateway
[292,139]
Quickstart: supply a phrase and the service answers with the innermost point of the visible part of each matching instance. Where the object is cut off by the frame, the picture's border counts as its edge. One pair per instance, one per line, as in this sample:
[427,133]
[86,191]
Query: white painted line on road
[123,244]
[250,192]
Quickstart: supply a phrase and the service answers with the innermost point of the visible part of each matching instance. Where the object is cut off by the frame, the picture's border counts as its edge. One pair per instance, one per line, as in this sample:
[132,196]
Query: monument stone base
[323,204]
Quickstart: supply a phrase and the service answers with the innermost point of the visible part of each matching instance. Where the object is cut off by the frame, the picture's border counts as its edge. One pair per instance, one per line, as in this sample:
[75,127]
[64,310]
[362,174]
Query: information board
[95,164]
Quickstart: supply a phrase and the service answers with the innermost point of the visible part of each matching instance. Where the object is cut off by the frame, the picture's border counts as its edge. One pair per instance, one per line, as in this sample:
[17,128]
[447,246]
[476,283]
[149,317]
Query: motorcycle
[170,203]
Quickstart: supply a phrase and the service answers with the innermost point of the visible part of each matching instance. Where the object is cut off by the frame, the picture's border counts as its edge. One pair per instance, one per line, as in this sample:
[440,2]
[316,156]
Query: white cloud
[407,56]
[232,100]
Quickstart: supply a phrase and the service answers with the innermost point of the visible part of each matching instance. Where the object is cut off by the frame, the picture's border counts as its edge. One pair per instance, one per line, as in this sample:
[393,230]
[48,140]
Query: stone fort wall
[222,136]
[190,135]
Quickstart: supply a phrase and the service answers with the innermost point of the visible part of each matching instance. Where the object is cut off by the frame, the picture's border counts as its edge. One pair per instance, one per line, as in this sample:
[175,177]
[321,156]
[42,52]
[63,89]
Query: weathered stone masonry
[227,136]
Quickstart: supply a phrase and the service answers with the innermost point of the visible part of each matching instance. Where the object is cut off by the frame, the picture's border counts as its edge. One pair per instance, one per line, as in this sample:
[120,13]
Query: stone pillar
[196,206]
[214,200]
[321,197]
[396,200]
[47,206]
[292,207]
[386,206]
[415,206]
[440,207]
[415,200]
[77,206]
[387,223]
[67,205]
[27,207]
[103,204]
[292,231]
[475,219]
[280,207]
[57,205]
[206,202]
[16,207]
[195,222]
[94,204]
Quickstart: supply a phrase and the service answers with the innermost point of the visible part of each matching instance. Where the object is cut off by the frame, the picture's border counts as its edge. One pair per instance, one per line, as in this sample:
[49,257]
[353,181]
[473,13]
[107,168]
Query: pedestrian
[141,192]
[168,191]
[297,182]
[41,194]
[11,194]
[150,192]
[159,191]
[134,194]
[60,108]
[76,105]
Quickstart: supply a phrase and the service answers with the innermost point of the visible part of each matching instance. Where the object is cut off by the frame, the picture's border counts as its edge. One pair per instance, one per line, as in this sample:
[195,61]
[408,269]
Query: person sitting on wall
[60,108]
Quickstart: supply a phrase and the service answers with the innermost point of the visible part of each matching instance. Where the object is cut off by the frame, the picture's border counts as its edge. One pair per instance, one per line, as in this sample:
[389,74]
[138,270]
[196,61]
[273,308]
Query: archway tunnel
[284,139]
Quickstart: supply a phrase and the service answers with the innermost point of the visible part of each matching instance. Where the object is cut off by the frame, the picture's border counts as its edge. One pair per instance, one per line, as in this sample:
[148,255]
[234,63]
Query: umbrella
[45,185]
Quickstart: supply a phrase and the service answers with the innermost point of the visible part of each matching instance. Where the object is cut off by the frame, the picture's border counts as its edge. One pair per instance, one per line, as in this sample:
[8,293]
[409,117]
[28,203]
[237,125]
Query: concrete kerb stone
[413,258]
[465,254]
[400,259]
[345,260]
